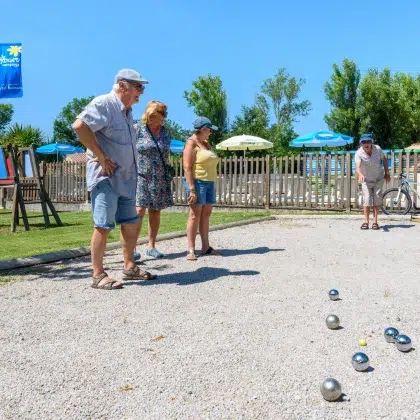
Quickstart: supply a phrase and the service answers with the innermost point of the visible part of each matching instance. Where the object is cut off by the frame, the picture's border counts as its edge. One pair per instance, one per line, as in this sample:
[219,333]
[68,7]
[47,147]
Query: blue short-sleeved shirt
[113,126]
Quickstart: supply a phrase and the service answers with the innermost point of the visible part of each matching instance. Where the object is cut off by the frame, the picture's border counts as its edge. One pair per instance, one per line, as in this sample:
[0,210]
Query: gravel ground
[236,337]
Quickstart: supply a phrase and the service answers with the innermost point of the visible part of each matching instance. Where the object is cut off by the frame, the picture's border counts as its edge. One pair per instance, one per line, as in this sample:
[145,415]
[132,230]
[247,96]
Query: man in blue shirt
[105,128]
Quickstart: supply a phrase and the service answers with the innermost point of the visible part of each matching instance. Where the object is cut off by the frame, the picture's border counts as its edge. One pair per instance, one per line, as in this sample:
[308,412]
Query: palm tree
[22,136]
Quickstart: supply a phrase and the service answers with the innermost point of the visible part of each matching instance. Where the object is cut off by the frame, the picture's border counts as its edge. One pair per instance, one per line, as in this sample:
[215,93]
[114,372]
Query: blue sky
[73,49]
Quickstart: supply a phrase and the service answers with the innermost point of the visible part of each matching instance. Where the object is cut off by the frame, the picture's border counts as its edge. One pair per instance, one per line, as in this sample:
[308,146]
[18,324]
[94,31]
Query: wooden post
[251,185]
[292,181]
[286,181]
[323,180]
[415,178]
[304,180]
[309,202]
[348,195]
[246,163]
[44,198]
[17,193]
[280,179]
[274,181]
[235,179]
[257,183]
[241,181]
[229,192]
[267,182]
[316,179]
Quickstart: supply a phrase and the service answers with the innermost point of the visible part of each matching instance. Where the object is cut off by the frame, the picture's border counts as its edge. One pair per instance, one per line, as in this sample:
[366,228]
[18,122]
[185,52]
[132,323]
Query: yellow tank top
[205,166]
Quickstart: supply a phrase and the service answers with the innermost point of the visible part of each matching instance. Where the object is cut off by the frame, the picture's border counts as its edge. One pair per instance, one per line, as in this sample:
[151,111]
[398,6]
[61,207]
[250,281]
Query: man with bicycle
[371,175]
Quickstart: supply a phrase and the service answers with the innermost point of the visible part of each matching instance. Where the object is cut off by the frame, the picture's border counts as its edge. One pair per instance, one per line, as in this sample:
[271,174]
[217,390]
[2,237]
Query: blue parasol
[323,138]
[59,149]
[177,146]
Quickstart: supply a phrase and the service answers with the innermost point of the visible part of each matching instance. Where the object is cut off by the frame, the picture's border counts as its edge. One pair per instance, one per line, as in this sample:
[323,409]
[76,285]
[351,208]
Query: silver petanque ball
[333,294]
[403,342]
[331,389]
[390,334]
[360,361]
[332,322]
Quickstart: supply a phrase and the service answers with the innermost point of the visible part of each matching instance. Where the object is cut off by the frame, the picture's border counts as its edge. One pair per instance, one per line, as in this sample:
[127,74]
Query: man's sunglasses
[138,86]
[366,142]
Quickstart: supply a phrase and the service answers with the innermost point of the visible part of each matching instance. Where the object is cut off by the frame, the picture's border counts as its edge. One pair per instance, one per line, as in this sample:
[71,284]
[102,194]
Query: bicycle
[398,200]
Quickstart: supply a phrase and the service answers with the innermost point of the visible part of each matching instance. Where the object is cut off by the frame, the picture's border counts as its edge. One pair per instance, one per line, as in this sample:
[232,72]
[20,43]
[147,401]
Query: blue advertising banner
[11,71]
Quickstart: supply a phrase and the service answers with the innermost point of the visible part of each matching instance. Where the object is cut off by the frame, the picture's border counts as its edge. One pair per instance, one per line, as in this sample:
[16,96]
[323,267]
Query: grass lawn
[77,231]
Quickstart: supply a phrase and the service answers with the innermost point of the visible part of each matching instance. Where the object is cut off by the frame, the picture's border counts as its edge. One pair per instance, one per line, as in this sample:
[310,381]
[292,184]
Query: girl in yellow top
[200,167]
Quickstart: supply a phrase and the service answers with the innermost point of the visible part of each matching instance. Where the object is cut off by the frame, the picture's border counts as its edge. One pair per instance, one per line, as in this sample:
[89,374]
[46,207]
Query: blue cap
[132,75]
[366,137]
[202,122]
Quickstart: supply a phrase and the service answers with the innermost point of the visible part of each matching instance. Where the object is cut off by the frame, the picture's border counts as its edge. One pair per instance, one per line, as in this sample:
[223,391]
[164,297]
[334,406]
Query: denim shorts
[206,191]
[110,208]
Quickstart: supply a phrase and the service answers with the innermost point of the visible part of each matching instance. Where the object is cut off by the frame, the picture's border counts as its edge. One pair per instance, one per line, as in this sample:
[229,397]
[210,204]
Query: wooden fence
[313,180]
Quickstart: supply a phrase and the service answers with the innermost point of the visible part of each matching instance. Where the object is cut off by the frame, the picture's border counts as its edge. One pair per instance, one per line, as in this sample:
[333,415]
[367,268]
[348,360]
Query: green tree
[6,114]
[342,91]
[176,131]
[280,95]
[389,107]
[283,92]
[63,131]
[253,120]
[23,136]
[411,86]
[209,99]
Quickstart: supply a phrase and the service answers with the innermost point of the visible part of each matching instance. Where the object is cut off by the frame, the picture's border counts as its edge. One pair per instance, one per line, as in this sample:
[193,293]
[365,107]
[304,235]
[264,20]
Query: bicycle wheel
[396,201]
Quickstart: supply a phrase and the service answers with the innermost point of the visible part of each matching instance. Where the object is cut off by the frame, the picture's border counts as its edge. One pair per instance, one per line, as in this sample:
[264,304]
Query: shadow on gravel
[64,270]
[229,252]
[201,275]
[257,251]
[387,228]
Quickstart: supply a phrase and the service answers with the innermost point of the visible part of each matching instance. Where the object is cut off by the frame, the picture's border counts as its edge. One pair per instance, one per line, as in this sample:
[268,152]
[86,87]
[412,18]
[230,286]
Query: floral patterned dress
[153,189]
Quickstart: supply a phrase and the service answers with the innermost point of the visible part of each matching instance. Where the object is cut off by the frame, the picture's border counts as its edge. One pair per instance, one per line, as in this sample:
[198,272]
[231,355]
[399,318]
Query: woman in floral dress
[153,183]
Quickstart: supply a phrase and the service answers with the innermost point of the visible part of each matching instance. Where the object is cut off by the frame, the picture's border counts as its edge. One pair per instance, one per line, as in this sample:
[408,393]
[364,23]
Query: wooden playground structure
[19,169]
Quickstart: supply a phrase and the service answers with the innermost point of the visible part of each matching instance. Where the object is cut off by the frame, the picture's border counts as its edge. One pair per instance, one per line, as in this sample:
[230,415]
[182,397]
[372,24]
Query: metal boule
[331,389]
[390,334]
[333,322]
[403,342]
[360,361]
[333,294]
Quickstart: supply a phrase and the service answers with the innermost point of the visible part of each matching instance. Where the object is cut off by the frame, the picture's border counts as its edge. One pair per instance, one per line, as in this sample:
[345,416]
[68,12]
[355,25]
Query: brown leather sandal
[137,274]
[108,285]
[211,251]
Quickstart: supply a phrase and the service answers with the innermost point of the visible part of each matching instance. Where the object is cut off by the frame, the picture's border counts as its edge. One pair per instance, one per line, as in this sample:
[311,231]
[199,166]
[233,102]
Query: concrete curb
[83,251]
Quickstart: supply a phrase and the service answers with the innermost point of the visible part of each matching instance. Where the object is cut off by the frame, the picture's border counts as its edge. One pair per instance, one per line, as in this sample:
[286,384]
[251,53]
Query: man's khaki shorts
[372,193]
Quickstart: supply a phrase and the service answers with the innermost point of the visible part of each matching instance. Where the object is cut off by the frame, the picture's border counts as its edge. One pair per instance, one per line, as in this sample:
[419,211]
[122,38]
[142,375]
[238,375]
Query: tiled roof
[76,157]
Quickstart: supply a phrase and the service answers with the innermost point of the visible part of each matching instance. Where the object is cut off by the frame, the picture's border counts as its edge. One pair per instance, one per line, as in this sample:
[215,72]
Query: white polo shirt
[370,166]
